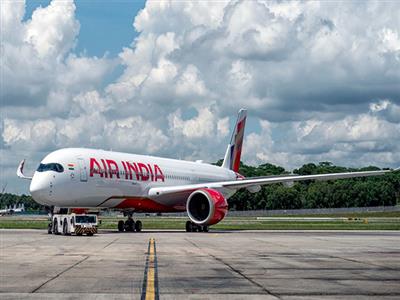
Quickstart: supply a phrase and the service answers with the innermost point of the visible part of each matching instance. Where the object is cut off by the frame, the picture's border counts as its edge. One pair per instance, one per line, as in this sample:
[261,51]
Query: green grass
[230,223]
[23,224]
[377,214]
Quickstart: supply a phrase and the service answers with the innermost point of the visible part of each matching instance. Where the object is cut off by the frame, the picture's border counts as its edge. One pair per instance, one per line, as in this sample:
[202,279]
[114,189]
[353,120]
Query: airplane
[84,178]
[9,210]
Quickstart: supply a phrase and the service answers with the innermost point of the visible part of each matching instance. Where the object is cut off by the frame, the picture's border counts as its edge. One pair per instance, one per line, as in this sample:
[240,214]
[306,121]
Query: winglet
[20,170]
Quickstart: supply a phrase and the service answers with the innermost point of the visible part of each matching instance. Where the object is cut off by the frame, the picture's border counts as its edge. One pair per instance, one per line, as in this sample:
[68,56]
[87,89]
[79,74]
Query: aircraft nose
[39,189]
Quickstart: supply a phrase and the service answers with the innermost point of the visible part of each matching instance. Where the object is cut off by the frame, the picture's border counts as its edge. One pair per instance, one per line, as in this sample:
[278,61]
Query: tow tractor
[73,223]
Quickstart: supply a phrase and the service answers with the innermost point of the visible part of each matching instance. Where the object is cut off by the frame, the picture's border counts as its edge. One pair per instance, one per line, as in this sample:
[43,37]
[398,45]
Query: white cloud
[390,40]
[36,58]
[379,106]
[358,140]
[202,125]
[386,110]
[52,30]
[22,134]
[90,103]
[189,83]
[320,78]
[223,127]
[135,134]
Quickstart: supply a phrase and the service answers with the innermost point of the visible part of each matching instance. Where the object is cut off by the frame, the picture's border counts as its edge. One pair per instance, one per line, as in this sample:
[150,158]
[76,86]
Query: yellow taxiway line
[150,288]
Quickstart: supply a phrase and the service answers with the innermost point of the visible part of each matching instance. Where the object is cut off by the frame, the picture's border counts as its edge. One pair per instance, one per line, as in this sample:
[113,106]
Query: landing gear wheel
[192,227]
[189,227]
[55,227]
[121,226]
[129,225]
[65,227]
[138,226]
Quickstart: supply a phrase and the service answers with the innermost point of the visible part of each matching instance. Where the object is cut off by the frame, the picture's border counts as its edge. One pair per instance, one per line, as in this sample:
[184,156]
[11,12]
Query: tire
[55,226]
[79,234]
[138,226]
[129,226]
[189,226]
[121,226]
[89,234]
[50,228]
[65,227]
[205,228]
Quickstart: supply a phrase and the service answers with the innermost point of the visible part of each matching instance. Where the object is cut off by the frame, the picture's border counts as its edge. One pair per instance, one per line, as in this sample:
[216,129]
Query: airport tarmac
[214,265]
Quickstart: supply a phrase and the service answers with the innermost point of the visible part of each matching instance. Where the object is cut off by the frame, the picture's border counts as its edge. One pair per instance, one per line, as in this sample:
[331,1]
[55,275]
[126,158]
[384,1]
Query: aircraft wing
[244,183]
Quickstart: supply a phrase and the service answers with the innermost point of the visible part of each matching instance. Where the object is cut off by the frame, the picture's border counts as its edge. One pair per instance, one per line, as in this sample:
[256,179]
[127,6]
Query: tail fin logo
[234,151]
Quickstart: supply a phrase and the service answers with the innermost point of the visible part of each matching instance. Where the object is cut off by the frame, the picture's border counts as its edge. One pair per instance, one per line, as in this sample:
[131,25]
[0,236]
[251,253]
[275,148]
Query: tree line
[354,192]
[7,200]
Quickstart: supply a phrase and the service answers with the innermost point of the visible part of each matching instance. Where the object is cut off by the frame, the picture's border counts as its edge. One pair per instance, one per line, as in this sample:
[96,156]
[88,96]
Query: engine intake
[206,207]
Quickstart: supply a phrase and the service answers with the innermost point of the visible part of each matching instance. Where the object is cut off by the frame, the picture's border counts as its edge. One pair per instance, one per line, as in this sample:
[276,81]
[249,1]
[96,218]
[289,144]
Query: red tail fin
[234,151]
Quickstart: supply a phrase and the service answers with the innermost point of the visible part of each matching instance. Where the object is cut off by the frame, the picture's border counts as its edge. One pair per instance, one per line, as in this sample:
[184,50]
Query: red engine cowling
[206,207]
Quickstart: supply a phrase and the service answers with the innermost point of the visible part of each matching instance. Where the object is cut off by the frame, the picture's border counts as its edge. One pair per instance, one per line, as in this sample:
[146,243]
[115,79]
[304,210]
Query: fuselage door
[82,169]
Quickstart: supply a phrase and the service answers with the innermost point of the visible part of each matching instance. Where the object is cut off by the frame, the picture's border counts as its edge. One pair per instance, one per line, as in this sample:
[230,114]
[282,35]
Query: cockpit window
[50,167]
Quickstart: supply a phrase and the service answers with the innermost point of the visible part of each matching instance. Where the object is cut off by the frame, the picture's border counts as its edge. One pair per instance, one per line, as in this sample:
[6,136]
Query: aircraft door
[82,170]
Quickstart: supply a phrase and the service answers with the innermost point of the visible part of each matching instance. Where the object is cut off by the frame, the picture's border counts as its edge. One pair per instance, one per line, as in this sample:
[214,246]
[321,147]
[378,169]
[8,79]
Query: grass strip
[229,223]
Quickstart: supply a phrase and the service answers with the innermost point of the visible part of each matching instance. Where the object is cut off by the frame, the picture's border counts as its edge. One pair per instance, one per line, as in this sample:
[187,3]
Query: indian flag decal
[71,166]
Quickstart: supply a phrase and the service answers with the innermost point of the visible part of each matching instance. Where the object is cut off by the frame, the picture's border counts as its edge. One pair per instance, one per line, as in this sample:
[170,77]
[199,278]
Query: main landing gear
[192,227]
[130,225]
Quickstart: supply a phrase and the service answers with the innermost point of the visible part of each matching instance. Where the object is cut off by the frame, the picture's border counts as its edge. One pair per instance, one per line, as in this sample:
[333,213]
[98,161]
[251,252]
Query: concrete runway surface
[214,265]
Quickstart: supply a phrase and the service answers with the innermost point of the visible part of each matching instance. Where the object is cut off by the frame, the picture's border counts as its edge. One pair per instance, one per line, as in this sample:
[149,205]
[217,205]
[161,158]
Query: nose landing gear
[130,225]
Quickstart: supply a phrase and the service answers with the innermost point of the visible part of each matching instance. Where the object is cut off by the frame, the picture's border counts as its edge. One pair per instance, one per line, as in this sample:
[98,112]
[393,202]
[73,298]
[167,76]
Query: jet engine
[206,207]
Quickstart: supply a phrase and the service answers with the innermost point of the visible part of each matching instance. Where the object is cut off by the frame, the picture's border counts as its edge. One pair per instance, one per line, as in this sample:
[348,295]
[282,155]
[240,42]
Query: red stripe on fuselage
[144,204]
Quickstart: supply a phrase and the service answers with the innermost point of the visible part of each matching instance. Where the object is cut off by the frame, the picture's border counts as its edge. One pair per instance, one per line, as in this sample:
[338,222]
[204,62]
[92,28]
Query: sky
[320,80]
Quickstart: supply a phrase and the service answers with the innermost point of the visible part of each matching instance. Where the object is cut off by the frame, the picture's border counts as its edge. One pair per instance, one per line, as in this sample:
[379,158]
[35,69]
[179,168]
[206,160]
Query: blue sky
[106,25]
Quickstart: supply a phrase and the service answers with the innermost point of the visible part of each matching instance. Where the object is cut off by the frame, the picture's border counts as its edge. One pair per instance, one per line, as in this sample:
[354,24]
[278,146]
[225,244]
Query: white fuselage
[106,179]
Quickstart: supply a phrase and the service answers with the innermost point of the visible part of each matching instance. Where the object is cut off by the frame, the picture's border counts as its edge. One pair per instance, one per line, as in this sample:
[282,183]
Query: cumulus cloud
[357,140]
[135,134]
[52,30]
[386,110]
[36,55]
[200,126]
[320,81]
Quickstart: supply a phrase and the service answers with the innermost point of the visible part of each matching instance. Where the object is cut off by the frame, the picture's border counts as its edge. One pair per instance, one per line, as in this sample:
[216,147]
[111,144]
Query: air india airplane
[91,178]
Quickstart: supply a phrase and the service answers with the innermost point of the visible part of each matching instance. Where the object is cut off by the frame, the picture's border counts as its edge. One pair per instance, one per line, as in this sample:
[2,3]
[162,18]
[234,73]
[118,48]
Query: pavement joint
[237,271]
[59,274]
[110,243]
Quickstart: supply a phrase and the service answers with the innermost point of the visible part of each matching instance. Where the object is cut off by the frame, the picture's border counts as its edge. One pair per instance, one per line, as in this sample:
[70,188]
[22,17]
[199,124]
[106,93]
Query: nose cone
[39,188]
